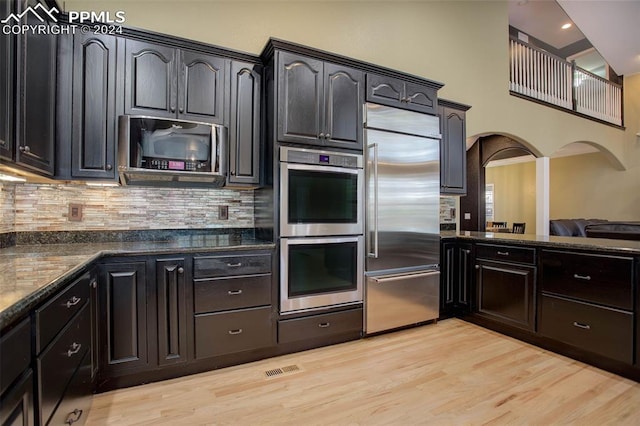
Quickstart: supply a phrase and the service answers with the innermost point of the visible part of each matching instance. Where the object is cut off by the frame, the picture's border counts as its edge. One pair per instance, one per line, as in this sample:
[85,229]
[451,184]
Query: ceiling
[611,26]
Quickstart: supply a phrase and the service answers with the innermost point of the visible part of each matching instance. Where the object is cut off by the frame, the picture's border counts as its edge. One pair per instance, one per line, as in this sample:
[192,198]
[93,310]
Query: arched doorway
[485,149]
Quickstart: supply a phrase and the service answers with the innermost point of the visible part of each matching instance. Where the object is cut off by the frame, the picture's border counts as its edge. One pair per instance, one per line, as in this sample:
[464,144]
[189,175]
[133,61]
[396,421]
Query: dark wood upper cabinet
[123,325]
[319,103]
[172,311]
[94,132]
[398,93]
[163,81]
[344,96]
[453,148]
[36,98]
[201,87]
[244,123]
[150,79]
[7,75]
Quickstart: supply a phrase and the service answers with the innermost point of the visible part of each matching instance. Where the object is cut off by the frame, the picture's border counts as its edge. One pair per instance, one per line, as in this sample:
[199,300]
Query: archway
[484,150]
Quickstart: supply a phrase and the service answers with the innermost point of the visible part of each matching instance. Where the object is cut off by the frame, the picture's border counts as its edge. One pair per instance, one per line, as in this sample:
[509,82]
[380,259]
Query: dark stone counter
[30,273]
[627,247]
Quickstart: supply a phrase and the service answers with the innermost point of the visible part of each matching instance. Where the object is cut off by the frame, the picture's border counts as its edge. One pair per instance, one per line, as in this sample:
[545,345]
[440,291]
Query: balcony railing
[548,78]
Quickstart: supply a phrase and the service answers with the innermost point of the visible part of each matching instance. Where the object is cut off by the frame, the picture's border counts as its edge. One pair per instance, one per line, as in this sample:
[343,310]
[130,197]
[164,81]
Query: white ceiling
[611,26]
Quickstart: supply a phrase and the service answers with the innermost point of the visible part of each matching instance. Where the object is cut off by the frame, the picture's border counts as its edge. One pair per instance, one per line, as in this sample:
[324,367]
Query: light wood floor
[451,372]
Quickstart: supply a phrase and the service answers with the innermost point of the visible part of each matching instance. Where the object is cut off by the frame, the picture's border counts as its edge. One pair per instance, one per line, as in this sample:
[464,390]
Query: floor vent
[279,371]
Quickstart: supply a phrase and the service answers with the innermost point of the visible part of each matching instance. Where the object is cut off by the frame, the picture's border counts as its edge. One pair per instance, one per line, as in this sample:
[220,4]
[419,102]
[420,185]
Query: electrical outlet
[467,216]
[223,212]
[75,212]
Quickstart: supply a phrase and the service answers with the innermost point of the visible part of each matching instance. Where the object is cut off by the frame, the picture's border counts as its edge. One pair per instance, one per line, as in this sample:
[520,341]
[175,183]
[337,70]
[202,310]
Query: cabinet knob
[173,109]
[181,110]
[94,283]
[477,266]
[109,167]
[181,270]
[328,136]
[321,135]
[25,149]
[233,173]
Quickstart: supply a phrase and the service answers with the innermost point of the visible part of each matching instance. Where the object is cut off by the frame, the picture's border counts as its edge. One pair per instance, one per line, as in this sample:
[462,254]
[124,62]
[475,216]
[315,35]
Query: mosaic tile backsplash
[45,207]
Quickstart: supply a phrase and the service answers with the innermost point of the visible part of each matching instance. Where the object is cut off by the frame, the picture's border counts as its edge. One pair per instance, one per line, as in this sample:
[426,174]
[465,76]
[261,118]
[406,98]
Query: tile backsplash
[45,207]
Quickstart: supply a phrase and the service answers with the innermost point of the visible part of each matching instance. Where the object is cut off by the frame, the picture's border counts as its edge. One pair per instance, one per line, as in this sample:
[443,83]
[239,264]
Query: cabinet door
[35,132]
[7,74]
[201,87]
[343,96]
[419,98]
[94,118]
[385,90]
[16,405]
[453,155]
[123,325]
[150,80]
[505,293]
[244,123]
[172,311]
[300,99]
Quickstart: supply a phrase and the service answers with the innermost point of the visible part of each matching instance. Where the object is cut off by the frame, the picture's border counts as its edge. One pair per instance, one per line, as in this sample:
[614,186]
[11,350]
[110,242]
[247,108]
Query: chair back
[518,227]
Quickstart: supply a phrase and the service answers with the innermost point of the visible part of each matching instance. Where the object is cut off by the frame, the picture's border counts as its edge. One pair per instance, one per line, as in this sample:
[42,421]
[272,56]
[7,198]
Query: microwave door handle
[222,145]
[374,253]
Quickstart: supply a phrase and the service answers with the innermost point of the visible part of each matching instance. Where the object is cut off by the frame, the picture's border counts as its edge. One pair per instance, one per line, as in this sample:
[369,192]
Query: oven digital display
[176,165]
[324,159]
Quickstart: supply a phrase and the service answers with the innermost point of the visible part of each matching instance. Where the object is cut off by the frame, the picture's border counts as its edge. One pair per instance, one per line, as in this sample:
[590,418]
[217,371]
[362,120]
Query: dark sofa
[595,228]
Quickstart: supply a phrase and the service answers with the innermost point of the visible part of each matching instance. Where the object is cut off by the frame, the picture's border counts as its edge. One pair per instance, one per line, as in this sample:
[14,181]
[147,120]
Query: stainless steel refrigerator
[402,225]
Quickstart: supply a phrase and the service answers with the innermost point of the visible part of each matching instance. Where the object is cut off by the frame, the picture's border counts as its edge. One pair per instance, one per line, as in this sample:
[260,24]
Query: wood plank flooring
[451,372]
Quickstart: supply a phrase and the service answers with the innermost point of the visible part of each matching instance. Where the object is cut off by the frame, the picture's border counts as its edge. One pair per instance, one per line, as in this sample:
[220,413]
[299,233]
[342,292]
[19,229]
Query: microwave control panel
[181,165]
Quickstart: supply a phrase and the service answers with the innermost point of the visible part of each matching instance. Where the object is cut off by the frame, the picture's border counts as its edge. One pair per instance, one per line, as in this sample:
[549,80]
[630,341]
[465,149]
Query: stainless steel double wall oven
[321,224]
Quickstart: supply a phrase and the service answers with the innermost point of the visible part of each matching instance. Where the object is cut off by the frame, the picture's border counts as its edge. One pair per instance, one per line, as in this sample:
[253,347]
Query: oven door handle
[372,240]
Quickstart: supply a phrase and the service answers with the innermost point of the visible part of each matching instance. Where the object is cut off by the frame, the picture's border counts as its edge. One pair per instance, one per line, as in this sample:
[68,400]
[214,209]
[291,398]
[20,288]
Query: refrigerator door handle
[382,280]
[374,243]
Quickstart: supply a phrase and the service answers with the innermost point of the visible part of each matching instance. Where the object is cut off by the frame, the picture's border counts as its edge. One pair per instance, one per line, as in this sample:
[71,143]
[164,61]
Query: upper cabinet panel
[384,90]
[300,112]
[397,93]
[150,83]
[201,87]
[420,98]
[344,96]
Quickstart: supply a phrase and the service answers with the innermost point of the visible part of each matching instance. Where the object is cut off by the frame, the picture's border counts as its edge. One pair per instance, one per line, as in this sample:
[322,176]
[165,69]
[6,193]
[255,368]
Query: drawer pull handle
[324,324]
[74,349]
[503,253]
[582,277]
[234,265]
[583,326]
[73,301]
[234,332]
[76,416]
[234,292]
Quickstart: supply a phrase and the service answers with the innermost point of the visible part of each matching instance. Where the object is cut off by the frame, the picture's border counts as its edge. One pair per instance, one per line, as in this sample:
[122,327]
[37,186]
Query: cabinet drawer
[506,253]
[221,294]
[604,331]
[51,317]
[60,360]
[15,353]
[217,266]
[319,326]
[235,331]
[76,402]
[606,280]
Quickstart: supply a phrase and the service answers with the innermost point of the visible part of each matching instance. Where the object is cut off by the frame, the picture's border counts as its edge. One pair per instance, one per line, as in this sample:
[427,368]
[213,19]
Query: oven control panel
[321,158]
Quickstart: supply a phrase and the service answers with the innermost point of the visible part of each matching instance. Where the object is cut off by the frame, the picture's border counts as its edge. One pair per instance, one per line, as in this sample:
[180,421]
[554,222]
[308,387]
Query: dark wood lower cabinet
[505,293]
[171,298]
[123,319]
[16,406]
[320,326]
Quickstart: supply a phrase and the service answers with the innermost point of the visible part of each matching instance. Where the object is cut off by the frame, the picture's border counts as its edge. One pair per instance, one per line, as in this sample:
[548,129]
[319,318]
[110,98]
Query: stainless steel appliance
[321,193]
[163,152]
[320,272]
[403,229]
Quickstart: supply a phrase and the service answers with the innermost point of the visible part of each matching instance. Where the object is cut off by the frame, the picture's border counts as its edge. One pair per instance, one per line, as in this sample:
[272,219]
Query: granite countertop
[30,273]
[629,247]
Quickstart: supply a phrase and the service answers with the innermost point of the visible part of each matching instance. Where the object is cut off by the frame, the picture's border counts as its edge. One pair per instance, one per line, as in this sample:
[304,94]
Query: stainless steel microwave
[164,152]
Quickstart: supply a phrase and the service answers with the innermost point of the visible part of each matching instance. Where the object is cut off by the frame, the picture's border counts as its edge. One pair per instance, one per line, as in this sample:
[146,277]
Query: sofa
[595,228]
